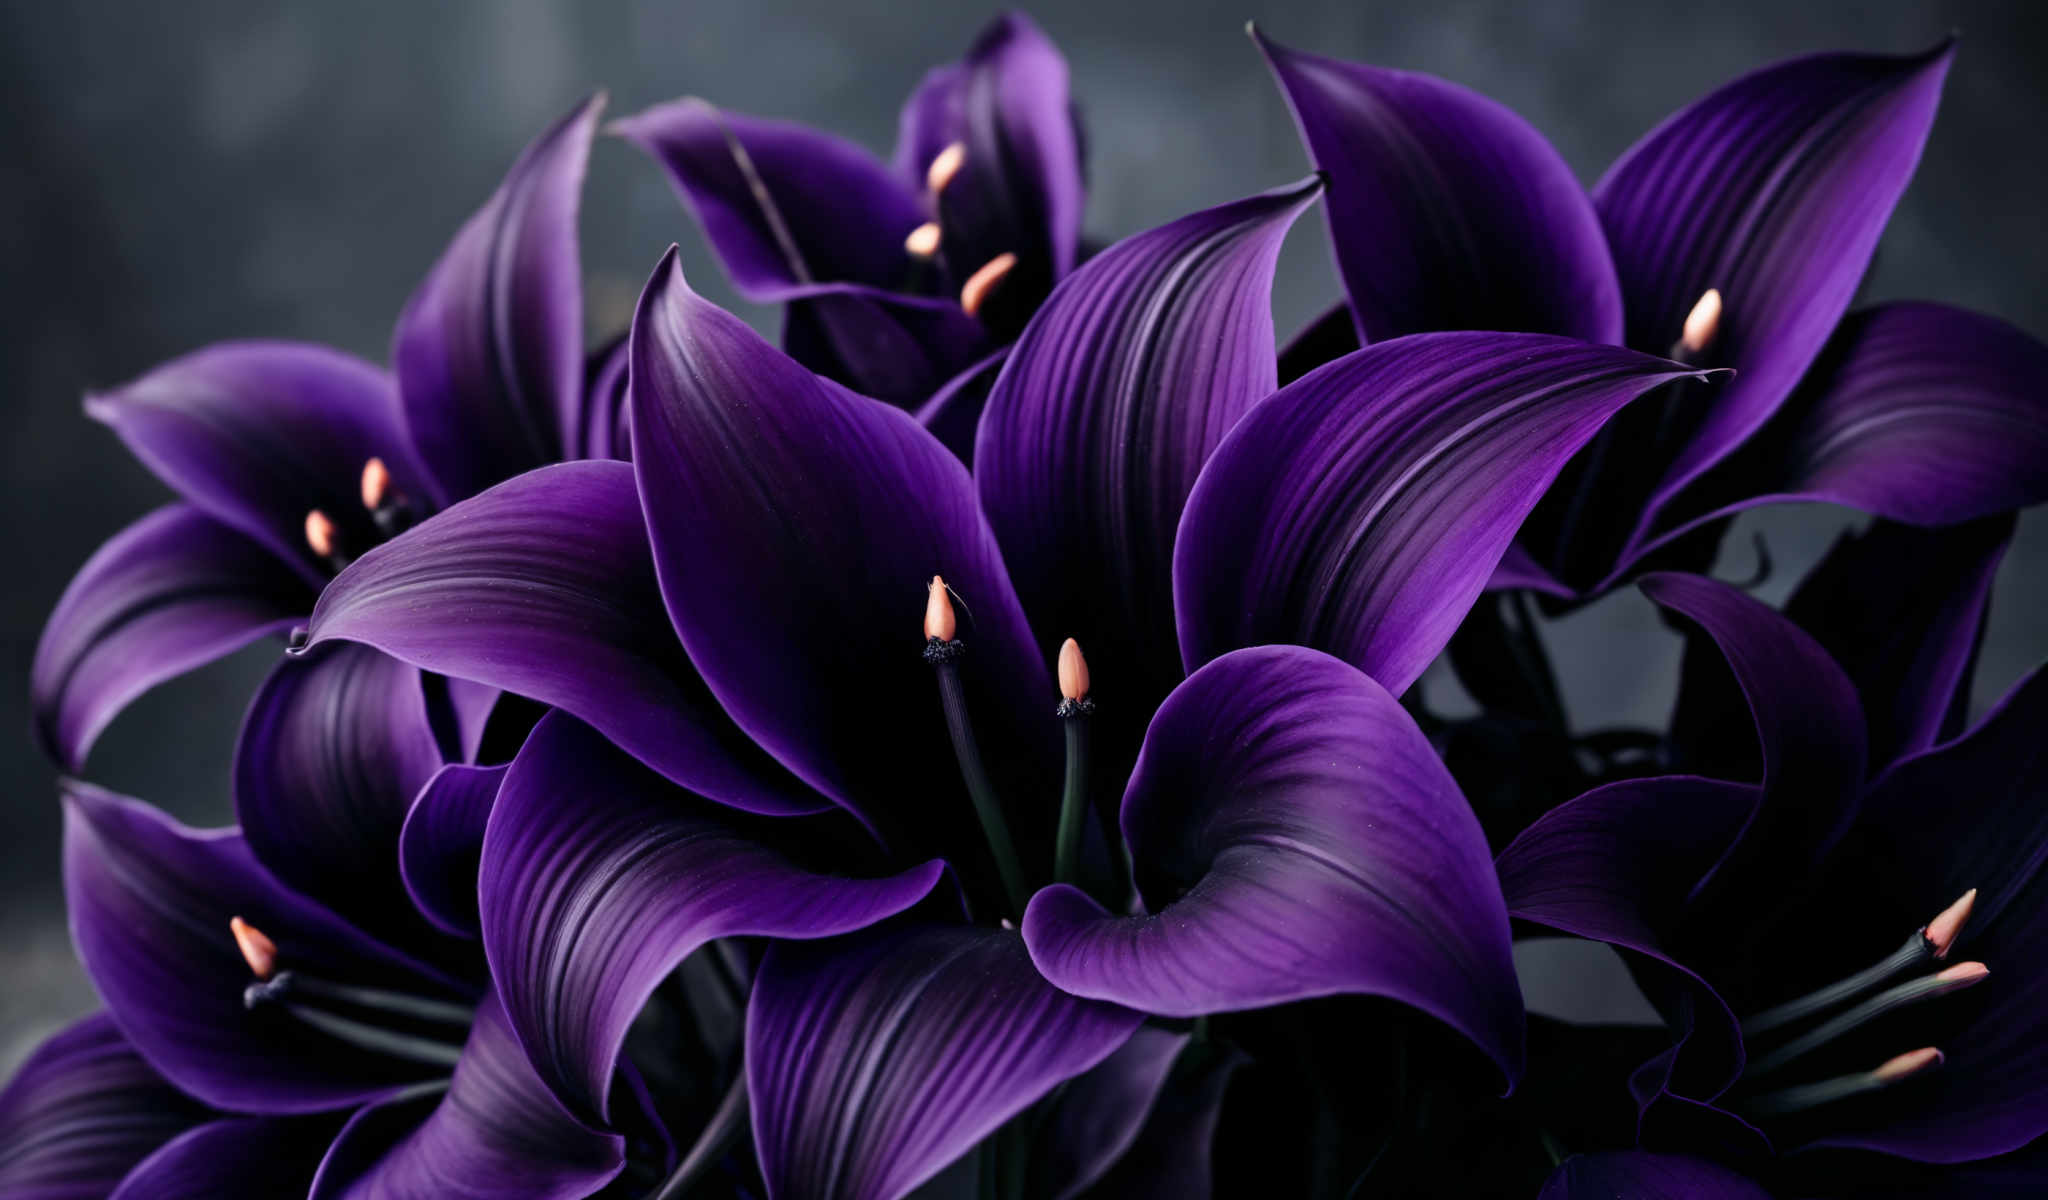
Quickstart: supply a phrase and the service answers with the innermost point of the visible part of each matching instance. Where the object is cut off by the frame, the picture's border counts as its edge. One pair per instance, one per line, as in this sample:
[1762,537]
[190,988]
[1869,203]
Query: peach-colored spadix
[939,622]
[1942,930]
[257,950]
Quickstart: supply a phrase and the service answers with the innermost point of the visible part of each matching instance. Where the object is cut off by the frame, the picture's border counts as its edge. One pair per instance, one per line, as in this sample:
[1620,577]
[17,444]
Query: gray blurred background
[175,174]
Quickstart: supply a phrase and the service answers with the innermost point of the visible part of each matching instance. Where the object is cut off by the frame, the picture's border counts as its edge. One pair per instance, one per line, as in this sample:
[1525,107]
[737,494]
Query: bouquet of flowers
[974,748]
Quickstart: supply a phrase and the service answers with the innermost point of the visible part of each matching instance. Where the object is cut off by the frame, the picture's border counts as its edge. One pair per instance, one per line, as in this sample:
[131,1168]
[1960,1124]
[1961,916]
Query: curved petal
[171,592]
[498,1132]
[1780,694]
[1088,1127]
[489,350]
[442,840]
[238,1158]
[1363,508]
[331,754]
[150,903]
[954,411]
[1922,413]
[793,525]
[1901,609]
[1968,814]
[1641,1175]
[1774,190]
[888,345]
[1117,393]
[782,205]
[1448,211]
[1170,1157]
[599,877]
[80,1111]
[604,403]
[543,586]
[1019,188]
[1294,836]
[1620,865]
[874,1060]
[258,434]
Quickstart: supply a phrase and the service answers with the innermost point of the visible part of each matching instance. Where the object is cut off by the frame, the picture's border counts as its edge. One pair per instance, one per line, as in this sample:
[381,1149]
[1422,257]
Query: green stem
[987,806]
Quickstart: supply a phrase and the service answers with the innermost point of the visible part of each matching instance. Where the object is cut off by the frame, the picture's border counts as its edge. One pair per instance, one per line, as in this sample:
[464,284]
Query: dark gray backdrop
[174,174]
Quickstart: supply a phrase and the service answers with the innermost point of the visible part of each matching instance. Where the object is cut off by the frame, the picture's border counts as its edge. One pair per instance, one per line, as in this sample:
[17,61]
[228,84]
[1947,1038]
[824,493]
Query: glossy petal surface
[599,877]
[1774,190]
[489,350]
[1362,509]
[794,526]
[1294,836]
[258,434]
[543,586]
[171,592]
[875,1060]
[1448,211]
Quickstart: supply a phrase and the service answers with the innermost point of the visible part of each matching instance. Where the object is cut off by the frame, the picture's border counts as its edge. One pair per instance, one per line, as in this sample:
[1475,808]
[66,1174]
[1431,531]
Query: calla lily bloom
[1733,235]
[1807,914]
[290,459]
[898,277]
[736,610]
[330,1033]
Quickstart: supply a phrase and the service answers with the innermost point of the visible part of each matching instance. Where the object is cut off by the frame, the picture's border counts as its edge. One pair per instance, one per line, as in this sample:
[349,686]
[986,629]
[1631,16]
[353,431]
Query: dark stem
[293,983]
[1811,1095]
[1915,952]
[987,806]
[1074,795]
[1912,991]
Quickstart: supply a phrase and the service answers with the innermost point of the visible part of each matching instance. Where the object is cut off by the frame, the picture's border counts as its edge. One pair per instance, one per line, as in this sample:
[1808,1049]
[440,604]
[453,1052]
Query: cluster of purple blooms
[612,828]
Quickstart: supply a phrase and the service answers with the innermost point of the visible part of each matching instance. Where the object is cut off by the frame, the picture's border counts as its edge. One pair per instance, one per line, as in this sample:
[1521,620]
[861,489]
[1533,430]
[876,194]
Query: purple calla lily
[278,976]
[789,521]
[897,276]
[291,459]
[1754,908]
[1733,235]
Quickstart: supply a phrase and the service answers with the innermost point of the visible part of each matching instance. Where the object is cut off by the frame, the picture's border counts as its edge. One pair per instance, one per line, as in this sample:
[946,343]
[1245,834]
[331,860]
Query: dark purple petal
[1790,721]
[171,592]
[1641,1175]
[543,586]
[794,526]
[1294,836]
[1098,1115]
[1901,609]
[1019,189]
[1448,211]
[1774,190]
[953,414]
[1325,339]
[783,206]
[258,434]
[1362,509]
[237,1158]
[1969,814]
[890,346]
[1620,865]
[599,877]
[498,1132]
[80,1111]
[150,903]
[875,1060]
[604,403]
[1169,1160]
[489,350]
[442,841]
[1117,393]
[334,749]
[1918,412]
